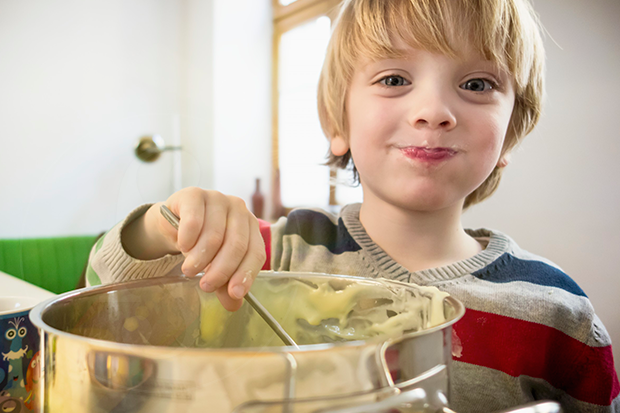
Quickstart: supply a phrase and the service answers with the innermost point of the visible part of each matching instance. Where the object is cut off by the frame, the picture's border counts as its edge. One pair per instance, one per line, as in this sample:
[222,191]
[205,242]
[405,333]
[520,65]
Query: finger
[233,250]
[211,237]
[231,304]
[246,273]
[190,208]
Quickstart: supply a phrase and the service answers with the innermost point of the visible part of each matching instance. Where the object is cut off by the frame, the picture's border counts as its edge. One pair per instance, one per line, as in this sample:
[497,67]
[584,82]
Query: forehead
[463,30]
[463,54]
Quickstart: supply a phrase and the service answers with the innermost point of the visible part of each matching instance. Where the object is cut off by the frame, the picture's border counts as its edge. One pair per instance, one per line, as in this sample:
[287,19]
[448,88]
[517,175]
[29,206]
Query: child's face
[425,131]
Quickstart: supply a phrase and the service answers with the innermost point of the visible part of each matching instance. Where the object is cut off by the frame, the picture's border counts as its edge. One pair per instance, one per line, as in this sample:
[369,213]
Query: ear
[504,160]
[338,145]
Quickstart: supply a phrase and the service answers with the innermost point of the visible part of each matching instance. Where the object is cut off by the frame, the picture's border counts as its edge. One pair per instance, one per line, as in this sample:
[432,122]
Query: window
[302,30]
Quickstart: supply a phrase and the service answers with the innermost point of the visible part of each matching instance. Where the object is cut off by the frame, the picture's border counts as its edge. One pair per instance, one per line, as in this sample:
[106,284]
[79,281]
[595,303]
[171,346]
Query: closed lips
[428,153]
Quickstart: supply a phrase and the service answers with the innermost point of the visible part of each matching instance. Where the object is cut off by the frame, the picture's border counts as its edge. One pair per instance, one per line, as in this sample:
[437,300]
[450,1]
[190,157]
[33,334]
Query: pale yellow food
[130,324]
[328,311]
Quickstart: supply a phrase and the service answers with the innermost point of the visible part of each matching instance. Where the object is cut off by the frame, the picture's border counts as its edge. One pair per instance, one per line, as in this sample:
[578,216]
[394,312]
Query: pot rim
[36,317]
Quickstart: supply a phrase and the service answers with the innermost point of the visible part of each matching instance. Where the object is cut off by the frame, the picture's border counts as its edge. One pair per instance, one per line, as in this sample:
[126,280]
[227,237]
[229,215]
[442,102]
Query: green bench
[55,264]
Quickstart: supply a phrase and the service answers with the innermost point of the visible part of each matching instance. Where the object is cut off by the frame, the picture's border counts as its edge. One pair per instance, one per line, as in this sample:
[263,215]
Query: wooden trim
[275,101]
[333,174]
[286,18]
[333,12]
[286,22]
[281,12]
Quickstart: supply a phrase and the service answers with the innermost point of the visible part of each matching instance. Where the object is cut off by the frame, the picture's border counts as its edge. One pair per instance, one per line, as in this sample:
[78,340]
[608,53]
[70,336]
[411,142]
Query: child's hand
[218,236]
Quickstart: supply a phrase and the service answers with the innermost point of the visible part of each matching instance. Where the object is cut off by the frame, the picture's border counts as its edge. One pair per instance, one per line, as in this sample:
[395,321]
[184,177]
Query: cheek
[491,135]
[485,151]
[359,116]
[493,145]
[371,116]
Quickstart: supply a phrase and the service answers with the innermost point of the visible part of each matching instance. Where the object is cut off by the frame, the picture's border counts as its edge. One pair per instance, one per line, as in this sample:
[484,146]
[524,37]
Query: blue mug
[20,370]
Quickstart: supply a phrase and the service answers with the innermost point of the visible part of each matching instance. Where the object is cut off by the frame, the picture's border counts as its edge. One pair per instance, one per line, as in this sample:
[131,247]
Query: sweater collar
[498,244]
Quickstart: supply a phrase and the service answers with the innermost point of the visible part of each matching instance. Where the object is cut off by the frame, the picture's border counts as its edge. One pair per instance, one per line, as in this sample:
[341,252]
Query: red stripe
[518,347]
[265,231]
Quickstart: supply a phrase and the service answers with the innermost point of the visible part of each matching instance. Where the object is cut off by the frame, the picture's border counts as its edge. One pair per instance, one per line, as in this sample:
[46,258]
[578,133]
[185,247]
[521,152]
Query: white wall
[560,197]
[80,82]
[242,92]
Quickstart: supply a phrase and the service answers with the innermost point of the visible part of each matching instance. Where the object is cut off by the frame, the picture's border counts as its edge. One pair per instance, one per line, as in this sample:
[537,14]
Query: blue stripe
[508,268]
[317,229]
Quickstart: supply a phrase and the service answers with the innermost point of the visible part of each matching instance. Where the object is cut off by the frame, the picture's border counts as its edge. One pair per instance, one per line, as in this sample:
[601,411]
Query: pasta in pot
[323,311]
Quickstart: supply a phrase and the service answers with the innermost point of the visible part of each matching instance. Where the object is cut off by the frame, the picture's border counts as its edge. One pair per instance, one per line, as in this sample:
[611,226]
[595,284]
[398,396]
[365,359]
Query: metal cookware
[163,345]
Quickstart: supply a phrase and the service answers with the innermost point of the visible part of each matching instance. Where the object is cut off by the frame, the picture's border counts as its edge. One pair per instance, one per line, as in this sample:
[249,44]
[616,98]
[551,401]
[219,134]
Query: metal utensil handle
[249,297]
[273,323]
[170,216]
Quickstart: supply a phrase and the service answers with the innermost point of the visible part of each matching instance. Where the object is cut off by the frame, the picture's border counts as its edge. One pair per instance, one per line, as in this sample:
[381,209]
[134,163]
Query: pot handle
[414,399]
[386,375]
[544,406]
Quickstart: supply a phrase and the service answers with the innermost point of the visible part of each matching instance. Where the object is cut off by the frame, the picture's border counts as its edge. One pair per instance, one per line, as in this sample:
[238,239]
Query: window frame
[286,18]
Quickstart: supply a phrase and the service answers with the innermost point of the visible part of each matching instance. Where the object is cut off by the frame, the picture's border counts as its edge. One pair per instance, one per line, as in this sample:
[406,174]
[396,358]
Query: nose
[432,109]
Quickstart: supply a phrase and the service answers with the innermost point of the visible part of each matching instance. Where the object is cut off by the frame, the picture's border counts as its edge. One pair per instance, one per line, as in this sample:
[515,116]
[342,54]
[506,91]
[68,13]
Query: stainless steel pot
[134,347]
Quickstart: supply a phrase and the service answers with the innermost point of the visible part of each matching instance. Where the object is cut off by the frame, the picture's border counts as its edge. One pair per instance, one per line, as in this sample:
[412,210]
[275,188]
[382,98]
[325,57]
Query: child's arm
[217,235]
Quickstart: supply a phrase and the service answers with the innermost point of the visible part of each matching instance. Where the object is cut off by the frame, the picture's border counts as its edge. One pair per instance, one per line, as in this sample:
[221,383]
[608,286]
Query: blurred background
[231,85]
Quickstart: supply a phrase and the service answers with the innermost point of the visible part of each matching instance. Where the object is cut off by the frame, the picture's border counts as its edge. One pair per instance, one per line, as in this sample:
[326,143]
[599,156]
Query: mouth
[426,154]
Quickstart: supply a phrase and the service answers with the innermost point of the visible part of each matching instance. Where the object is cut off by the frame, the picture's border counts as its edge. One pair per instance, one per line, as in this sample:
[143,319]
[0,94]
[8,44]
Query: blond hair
[505,32]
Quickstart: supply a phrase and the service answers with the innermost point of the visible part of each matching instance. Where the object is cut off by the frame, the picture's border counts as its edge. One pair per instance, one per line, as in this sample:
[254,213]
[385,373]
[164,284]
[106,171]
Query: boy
[426,98]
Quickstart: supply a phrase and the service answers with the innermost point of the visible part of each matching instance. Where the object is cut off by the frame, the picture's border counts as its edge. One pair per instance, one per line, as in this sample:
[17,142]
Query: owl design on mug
[13,375]
[10,404]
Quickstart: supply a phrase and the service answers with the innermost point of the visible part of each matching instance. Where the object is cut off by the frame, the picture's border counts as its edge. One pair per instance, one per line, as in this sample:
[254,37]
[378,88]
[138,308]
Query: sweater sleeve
[595,377]
[110,263]
[584,377]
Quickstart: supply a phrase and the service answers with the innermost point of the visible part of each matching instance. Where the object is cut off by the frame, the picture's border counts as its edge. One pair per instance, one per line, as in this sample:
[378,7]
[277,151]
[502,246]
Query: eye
[394,81]
[22,331]
[479,85]
[10,334]
[9,406]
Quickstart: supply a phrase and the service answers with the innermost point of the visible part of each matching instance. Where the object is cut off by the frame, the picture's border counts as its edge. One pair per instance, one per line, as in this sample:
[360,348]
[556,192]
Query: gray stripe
[475,389]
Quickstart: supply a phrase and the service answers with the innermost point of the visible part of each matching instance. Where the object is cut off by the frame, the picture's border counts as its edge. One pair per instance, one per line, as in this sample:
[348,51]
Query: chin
[425,203]
[420,196]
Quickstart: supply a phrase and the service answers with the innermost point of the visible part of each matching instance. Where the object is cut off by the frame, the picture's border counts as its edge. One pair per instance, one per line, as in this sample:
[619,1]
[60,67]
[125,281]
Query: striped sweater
[529,331]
